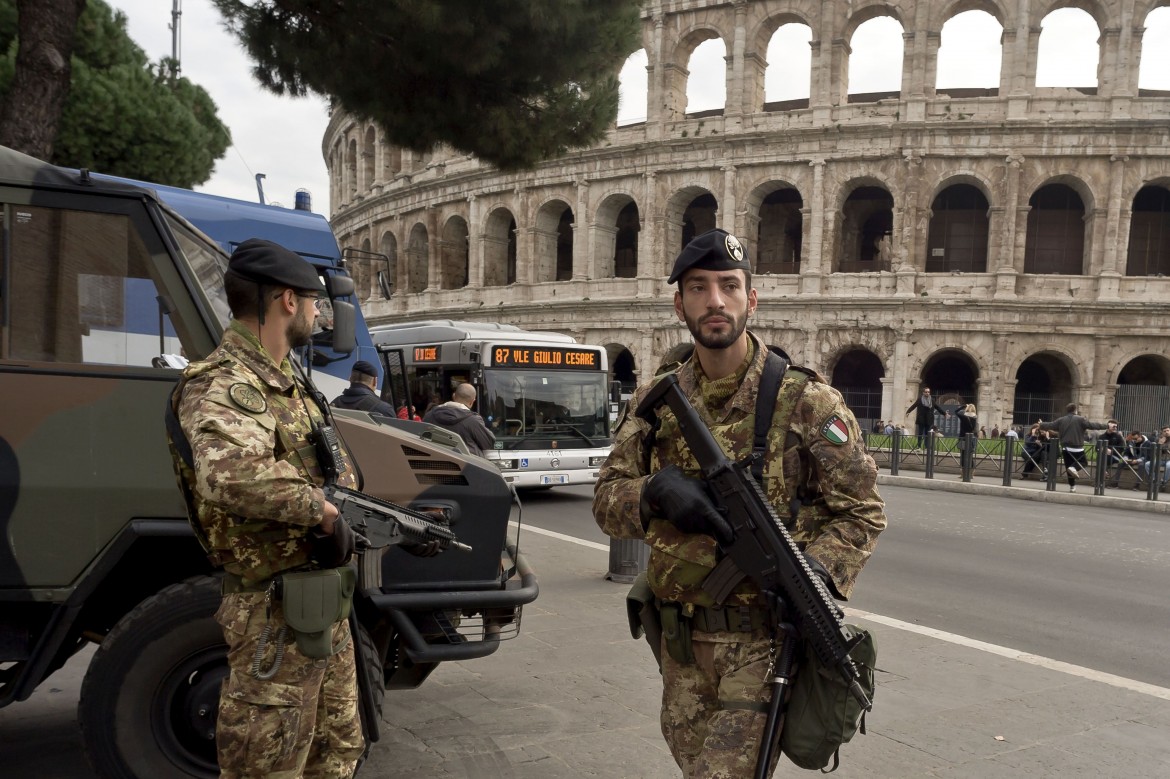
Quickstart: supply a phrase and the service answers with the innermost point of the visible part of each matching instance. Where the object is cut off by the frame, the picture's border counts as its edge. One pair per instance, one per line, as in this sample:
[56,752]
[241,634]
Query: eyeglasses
[315,298]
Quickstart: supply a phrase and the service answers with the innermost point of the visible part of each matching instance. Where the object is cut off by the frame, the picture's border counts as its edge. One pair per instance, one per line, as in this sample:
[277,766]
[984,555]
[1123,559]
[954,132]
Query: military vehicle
[99,281]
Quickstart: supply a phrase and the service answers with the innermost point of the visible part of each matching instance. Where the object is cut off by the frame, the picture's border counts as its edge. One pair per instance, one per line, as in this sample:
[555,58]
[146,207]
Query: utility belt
[670,623]
[313,602]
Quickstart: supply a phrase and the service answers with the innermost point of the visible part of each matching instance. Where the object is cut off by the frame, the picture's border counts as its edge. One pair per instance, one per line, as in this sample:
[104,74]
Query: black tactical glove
[332,551]
[684,503]
[427,549]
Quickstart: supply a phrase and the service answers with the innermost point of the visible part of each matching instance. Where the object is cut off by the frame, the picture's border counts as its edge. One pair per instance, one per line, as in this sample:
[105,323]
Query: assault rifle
[382,524]
[762,547]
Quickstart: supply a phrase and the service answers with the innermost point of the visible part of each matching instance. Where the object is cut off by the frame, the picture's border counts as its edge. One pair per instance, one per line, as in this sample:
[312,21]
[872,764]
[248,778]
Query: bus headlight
[506,465]
[596,461]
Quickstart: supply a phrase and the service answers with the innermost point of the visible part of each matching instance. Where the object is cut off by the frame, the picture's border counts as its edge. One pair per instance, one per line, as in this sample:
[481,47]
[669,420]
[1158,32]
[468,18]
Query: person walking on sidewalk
[715,666]
[968,420]
[1071,429]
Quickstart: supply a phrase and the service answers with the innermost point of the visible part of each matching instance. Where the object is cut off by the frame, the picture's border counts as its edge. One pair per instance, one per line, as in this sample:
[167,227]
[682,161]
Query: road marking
[1015,654]
[1003,651]
[562,537]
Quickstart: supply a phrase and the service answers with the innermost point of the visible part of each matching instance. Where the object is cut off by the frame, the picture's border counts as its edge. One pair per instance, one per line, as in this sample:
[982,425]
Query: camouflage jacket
[824,464]
[256,485]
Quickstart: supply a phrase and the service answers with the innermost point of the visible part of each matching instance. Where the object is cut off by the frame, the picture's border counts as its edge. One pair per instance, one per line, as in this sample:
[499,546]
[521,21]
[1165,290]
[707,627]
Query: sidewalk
[574,696]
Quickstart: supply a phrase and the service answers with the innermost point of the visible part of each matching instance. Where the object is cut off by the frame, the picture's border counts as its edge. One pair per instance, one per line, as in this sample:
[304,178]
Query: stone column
[474,242]
[726,215]
[733,106]
[1006,267]
[651,259]
[656,81]
[1111,77]
[812,261]
[888,411]
[1109,277]
[582,239]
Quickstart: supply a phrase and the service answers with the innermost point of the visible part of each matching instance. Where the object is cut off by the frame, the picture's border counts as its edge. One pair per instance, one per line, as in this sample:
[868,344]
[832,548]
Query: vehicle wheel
[377,682]
[150,698]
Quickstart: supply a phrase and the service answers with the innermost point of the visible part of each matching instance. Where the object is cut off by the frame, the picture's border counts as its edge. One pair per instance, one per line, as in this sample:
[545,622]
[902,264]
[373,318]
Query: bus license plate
[555,479]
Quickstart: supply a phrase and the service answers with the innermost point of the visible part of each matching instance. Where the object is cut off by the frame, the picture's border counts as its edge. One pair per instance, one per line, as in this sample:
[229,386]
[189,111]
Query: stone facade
[1006,246]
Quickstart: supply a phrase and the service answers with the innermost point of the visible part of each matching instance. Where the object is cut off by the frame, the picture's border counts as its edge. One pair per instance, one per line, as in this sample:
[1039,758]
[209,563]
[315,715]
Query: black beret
[365,368]
[265,262]
[713,250]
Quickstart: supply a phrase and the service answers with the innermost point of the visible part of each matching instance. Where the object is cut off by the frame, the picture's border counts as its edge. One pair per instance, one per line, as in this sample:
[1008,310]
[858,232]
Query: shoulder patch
[248,398]
[835,431]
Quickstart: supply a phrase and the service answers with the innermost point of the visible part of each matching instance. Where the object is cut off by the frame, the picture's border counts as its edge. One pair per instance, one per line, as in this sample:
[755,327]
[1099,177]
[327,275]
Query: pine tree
[511,81]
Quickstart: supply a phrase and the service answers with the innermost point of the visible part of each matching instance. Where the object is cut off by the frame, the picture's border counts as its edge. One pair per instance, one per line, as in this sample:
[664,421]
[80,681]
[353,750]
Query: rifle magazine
[370,569]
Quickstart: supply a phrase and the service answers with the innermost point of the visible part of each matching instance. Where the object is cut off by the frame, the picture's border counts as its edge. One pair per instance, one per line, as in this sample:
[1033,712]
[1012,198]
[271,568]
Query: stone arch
[958,235]
[417,258]
[1049,70]
[1142,399]
[787,69]
[676,67]
[1154,59]
[633,90]
[499,248]
[1046,382]
[775,208]
[389,247]
[956,73]
[1057,233]
[552,253]
[952,373]
[1099,12]
[941,13]
[865,225]
[1148,247]
[854,88]
[623,369]
[454,268]
[616,225]
[707,83]
[857,374]
[686,218]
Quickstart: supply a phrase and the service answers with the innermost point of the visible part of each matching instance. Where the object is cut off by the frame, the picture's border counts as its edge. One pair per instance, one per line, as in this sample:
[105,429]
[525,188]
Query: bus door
[395,387]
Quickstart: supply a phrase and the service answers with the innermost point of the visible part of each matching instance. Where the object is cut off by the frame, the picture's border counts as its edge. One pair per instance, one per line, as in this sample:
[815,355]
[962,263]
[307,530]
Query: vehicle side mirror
[384,284]
[344,337]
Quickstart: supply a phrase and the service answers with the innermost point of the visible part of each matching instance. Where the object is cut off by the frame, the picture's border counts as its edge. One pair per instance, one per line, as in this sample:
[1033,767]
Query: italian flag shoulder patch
[835,430]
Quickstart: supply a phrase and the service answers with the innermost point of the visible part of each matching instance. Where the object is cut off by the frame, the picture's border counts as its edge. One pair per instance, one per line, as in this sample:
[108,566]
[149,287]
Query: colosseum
[1007,244]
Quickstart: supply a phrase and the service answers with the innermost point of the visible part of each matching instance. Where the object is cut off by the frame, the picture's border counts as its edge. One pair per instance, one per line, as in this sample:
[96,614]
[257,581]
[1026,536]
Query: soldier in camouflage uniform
[255,490]
[713,708]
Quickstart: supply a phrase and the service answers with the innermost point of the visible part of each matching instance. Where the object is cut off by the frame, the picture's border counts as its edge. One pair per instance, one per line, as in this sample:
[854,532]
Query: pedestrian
[995,431]
[924,414]
[1160,454]
[968,419]
[253,487]
[1071,429]
[1114,451]
[362,392]
[456,415]
[715,667]
[1034,443]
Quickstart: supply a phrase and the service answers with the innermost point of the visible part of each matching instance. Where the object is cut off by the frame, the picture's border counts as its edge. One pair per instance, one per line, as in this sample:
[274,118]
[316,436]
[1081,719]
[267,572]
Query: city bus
[542,395]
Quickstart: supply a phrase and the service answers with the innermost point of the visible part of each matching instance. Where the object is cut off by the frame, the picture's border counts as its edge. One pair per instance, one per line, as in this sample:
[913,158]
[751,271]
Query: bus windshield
[532,408]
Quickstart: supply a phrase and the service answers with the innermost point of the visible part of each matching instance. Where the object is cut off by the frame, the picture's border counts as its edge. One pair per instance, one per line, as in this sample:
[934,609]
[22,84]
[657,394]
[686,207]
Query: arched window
[633,90]
[1056,231]
[788,77]
[875,64]
[707,82]
[1149,233]
[958,231]
[1068,53]
[970,54]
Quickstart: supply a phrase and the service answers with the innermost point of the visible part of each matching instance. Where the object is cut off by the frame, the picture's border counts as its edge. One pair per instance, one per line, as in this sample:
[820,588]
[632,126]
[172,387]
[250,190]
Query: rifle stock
[762,547]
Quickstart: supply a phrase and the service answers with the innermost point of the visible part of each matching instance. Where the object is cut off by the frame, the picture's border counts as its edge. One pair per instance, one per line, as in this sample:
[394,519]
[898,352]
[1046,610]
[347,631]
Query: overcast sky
[281,137]
[277,136]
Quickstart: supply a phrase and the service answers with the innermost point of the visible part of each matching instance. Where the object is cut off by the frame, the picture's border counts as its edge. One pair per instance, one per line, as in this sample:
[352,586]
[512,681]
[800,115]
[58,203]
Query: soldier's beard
[736,326]
[300,331]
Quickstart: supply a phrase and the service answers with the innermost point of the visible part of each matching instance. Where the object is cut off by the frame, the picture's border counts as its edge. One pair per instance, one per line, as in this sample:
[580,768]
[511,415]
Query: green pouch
[642,612]
[822,714]
[676,630]
[315,601]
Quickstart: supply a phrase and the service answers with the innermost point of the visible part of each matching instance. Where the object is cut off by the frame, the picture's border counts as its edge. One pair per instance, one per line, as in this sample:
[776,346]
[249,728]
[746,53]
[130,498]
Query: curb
[1025,493]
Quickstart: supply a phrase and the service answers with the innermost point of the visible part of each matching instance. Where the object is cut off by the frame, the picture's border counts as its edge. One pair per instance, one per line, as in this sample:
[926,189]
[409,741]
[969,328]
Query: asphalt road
[1073,583]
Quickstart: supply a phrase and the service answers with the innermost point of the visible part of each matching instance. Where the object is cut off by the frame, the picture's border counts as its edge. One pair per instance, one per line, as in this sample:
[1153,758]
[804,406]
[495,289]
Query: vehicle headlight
[596,461]
[506,465]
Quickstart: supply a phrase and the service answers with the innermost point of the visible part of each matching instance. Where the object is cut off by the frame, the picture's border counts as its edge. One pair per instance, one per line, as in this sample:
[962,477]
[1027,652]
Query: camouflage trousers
[713,710]
[302,722]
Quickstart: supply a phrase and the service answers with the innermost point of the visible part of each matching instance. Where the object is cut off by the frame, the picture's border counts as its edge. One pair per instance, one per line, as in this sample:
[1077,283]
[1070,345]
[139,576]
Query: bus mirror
[344,339]
[385,284]
[339,286]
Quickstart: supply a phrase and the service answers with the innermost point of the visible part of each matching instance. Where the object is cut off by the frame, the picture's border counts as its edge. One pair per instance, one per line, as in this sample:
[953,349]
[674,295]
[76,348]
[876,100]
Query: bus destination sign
[556,357]
[426,353]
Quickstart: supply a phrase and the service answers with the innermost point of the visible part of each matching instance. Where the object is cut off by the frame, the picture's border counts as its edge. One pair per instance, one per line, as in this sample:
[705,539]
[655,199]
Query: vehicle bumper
[558,478]
[397,606]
